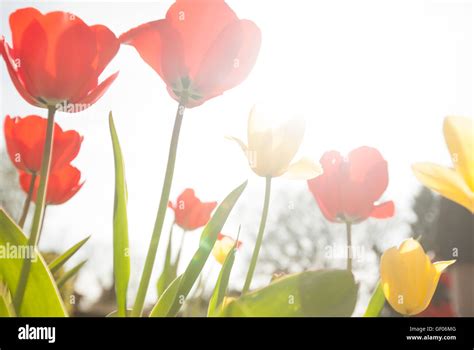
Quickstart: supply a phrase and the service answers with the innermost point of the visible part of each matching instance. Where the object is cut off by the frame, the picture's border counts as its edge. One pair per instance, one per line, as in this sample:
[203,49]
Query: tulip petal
[440,266]
[242,146]
[303,169]
[18,82]
[392,272]
[326,188]
[198,23]
[367,166]
[13,149]
[19,22]
[286,140]
[77,46]
[383,211]
[31,55]
[63,184]
[106,48]
[247,55]
[25,141]
[66,147]
[446,182]
[260,144]
[160,46]
[364,179]
[229,60]
[459,135]
[93,95]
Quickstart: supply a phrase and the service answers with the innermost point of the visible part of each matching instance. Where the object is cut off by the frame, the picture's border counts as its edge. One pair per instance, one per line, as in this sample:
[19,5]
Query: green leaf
[6,303]
[120,223]
[376,303]
[169,272]
[57,263]
[169,304]
[220,289]
[310,293]
[162,307]
[70,274]
[42,297]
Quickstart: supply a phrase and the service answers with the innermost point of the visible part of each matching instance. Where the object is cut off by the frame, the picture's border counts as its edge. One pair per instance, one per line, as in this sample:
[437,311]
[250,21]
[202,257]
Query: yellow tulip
[456,184]
[408,277]
[271,148]
[223,246]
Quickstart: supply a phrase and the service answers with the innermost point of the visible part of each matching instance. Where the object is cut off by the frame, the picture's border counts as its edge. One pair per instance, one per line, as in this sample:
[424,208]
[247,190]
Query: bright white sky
[377,73]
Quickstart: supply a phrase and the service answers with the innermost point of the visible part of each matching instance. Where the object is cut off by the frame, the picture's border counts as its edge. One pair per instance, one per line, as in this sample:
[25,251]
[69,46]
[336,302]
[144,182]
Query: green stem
[160,216]
[42,221]
[256,250]
[349,245]
[39,208]
[26,206]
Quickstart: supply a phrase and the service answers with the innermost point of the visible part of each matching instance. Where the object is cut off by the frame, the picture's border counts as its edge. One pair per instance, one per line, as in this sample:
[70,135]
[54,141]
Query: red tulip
[25,138]
[190,213]
[200,49]
[348,188]
[56,59]
[63,184]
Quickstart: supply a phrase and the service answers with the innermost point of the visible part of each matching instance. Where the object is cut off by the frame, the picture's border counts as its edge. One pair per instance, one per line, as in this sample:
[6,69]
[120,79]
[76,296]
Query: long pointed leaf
[120,223]
[376,303]
[57,263]
[206,243]
[162,307]
[220,289]
[42,297]
[70,274]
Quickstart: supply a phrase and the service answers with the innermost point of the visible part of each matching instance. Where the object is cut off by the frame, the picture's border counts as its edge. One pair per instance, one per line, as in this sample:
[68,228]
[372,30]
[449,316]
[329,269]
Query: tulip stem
[258,243]
[349,245]
[39,209]
[42,222]
[26,206]
[160,216]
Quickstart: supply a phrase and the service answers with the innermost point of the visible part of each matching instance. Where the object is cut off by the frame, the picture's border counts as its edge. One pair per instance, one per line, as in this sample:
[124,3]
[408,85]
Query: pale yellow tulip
[271,148]
[456,184]
[223,246]
[409,279]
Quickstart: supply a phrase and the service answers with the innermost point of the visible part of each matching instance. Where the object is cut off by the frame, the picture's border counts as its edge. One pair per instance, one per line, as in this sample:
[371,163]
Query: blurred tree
[426,209]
